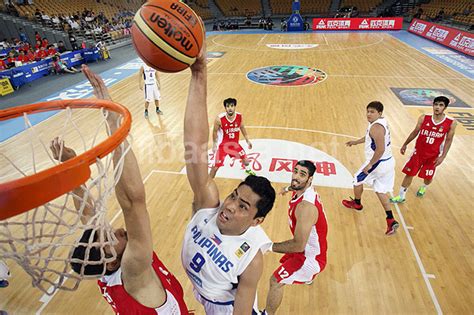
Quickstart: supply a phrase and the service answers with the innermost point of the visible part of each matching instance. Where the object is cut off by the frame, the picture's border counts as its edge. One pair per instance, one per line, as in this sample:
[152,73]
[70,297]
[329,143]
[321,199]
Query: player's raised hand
[100,90]
[66,153]
[403,149]
[351,143]
[283,191]
[201,61]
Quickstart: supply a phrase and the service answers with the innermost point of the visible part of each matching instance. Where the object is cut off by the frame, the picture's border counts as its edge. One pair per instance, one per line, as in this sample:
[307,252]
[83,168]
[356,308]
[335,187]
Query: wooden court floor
[425,268]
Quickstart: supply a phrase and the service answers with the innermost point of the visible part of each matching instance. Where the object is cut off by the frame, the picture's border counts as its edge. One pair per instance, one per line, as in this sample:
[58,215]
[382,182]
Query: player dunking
[136,282]
[379,168]
[223,244]
[435,135]
[305,253]
[149,77]
[225,137]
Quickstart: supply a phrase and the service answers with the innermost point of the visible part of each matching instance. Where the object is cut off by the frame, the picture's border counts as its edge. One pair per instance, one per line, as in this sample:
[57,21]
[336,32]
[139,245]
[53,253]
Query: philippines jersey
[431,136]
[370,143]
[114,292]
[230,130]
[316,247]
[213,262]
[149,75]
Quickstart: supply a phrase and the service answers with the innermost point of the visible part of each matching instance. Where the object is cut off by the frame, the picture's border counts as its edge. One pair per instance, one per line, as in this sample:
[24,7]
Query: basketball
[167,35]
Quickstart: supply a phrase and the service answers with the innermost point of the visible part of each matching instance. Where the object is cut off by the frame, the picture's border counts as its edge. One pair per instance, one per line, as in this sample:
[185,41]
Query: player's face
[122,240]
[238,211]
[438,108]
[300,178]
[230,109]
[373,114]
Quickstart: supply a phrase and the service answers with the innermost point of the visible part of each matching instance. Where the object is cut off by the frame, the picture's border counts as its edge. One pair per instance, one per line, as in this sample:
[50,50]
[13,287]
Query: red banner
[453,38]
[394,23]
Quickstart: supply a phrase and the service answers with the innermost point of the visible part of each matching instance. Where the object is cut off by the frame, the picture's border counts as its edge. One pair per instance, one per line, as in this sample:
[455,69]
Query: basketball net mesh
[42,240]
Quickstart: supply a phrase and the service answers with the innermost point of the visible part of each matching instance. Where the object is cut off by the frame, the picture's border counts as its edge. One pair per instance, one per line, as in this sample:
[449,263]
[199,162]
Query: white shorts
[152,93]
[215,308]
[4,271]
[381,176]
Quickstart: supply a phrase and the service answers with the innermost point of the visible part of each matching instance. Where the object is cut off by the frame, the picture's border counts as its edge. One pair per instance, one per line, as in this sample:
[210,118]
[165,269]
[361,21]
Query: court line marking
[413,58]
[46,299]
[425,275]
[263,37]
[381,39]
[325,39]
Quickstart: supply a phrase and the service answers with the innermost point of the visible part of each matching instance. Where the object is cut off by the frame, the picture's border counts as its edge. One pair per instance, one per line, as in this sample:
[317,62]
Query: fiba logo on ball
[287,75]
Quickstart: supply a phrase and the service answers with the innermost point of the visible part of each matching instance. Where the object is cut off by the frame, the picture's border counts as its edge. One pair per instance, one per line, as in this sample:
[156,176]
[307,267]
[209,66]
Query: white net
[42,241]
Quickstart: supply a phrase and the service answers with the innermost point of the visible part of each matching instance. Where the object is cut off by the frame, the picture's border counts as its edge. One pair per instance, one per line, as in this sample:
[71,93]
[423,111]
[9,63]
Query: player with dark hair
[136,282]
[223,243]
[225,137]
[305,254]
[378,170]
[435,134]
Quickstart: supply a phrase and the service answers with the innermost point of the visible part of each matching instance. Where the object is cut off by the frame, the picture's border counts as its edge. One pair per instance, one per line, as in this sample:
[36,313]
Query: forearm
[410,138]
[196,125]
[244,133]
[446,148]
[377,155]
[289,246]
[360,140]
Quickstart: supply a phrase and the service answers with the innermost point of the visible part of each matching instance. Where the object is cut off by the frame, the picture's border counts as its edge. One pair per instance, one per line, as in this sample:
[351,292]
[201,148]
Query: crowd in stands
[21,52]
[454,12]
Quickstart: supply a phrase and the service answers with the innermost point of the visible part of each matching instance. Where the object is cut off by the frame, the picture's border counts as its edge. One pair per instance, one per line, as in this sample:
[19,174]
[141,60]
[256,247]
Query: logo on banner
[321,24]
[292,46]
[364,24]
[418,27]
[287,75]
[276,159]
[339,24]
[424,97]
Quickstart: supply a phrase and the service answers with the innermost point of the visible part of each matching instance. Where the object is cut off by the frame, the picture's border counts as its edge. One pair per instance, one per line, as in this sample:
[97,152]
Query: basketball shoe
[397,199]
[421,192]
[250,172]
[351,204]
[4,283]
[158,111]
[392,226]
[146,113]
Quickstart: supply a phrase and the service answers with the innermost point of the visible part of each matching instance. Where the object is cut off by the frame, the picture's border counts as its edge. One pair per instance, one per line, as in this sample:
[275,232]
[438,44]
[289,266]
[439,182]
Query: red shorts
[424,167]
[233,149]
[296,269]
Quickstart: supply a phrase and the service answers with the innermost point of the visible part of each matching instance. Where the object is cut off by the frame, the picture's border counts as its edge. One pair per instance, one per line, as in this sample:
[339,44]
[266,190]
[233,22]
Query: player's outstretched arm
[130,193]
[196,137]
[244,133]
[63,153]
[247,288]
[413,134]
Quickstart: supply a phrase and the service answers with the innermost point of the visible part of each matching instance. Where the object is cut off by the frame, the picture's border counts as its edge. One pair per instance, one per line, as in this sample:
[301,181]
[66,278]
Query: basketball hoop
[40,215]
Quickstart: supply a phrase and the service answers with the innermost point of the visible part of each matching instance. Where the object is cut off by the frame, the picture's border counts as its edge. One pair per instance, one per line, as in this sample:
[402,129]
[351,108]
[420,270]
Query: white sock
[403,192]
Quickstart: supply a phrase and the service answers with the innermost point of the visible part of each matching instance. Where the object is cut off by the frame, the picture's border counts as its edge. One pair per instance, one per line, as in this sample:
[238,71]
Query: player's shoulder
[221,115]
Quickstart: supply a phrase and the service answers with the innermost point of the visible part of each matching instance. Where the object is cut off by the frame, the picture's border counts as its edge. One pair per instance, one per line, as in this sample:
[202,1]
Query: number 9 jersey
[214,261]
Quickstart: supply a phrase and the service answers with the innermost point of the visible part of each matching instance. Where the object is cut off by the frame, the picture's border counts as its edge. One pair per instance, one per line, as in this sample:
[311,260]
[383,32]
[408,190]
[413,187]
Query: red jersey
[23,58]
[41,54]
[316,247]
[3,65]
[51,51]
[113,291]
[31,56]
[230,130]
[431,136]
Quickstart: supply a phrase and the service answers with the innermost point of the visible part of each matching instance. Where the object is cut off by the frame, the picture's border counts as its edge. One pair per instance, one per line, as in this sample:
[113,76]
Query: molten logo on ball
[171,31]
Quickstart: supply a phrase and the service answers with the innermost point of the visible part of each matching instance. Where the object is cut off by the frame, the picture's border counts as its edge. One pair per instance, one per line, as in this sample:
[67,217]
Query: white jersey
[214,261]
[370,143]
[149,75]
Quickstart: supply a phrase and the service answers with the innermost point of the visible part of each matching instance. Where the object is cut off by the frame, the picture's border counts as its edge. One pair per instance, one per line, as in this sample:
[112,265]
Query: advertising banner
[450,37]
[354,24]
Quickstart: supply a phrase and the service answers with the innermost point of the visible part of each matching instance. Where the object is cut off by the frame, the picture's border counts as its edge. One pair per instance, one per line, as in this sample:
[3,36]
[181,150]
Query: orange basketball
[167,35]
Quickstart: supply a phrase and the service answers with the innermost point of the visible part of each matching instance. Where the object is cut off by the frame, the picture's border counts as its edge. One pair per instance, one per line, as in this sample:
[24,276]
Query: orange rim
[26,193]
